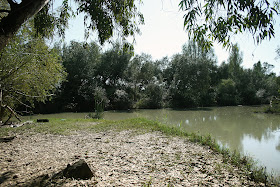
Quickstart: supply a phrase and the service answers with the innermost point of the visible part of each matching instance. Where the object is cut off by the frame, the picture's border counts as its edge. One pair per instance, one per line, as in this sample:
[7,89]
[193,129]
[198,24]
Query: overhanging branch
[7,11]
[10,24]
[12,4]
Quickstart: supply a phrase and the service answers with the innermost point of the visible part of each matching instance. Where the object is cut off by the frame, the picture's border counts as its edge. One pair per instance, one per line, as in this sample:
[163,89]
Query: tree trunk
[19,13]
[1,104]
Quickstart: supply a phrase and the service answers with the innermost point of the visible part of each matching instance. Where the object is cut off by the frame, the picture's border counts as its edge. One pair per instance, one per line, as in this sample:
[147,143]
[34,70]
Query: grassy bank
[140,125]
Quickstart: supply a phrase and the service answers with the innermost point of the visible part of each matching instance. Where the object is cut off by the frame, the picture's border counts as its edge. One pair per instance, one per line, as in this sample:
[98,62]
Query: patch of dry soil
[117,159]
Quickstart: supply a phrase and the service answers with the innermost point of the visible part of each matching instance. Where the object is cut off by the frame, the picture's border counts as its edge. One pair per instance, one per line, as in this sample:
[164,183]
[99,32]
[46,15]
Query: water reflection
[264,150]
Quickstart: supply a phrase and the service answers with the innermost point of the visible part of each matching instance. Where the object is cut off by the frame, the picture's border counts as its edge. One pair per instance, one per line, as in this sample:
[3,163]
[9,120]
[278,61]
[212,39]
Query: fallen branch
[10,116]
[12,112]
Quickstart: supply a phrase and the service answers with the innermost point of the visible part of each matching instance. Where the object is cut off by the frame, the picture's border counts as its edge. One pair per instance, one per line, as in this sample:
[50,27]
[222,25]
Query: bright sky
[163,35]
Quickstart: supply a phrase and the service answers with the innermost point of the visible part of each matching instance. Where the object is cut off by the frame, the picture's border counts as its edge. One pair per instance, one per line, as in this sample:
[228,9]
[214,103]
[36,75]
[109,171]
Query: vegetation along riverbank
[134,152]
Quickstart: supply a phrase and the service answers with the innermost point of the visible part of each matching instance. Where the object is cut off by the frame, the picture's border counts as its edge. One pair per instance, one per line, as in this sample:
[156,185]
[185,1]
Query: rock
[42,120]
[7,139]
[79,170]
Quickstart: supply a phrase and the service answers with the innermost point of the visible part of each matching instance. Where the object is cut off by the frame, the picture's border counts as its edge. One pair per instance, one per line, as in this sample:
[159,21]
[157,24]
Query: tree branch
[12,71]
[10,24]
[32,96]
[19,101]
[10,116]
[2,10]
[12,111]
[12,4]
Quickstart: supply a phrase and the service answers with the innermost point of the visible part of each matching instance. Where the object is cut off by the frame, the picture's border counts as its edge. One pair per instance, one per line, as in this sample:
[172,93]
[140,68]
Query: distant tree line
[32,72]
[191,78]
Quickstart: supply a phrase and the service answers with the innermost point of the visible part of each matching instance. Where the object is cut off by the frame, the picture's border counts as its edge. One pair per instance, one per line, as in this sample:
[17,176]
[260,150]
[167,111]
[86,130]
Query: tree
[30,71]
[235,60]
[227,93]
[102,16]
[221,19]
[80,61]
[100,101]
[144,77]
[189,76]
[152,97]
[110,74]
[121,99]
[245,86]
[113,64]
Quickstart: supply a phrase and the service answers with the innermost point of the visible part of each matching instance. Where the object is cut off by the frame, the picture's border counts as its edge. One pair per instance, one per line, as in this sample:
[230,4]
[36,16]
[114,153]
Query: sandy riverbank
[117,159]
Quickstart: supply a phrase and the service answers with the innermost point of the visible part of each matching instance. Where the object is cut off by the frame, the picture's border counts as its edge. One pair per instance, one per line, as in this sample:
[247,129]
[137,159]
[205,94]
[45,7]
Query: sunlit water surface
[238,128]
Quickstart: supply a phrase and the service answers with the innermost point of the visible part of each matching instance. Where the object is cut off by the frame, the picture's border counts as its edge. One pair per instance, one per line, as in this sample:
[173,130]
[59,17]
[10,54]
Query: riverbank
[133,152]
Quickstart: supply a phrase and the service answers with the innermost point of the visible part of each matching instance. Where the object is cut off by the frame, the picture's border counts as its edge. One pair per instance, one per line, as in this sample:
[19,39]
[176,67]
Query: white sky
[163,35]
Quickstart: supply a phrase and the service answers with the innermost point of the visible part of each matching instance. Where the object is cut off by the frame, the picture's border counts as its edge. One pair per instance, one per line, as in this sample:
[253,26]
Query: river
[237,128]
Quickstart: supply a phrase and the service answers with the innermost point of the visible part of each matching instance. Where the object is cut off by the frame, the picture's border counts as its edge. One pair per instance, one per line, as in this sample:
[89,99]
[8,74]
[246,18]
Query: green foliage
[221,19]
[227,92]
[146,84]
[189,76]
[274,106]
[30,71]
[5,6]
[88,69]
[249,86]
[189,79]
[113,64]
[47,21]
[110,74]
[235,61]
[153,96]
[80,61]
[121,100]
[100,101]
[105,17]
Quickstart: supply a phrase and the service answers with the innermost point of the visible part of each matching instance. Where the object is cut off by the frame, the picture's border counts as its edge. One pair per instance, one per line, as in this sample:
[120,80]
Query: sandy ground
[117,159]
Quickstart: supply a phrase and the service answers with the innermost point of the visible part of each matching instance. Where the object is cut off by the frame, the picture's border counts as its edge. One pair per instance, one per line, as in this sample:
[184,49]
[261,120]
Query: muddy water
[237,128]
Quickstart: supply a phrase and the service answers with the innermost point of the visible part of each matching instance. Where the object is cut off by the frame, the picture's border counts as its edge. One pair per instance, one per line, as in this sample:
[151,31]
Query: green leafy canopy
[29,70]
[106,17]
[216,20]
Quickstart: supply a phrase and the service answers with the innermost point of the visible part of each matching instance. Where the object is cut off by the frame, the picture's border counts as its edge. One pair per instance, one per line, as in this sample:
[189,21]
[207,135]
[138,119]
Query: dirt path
[117,159]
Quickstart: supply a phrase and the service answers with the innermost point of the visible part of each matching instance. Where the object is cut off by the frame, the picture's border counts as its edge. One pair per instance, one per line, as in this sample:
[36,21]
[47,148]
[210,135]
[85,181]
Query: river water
[237,128]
